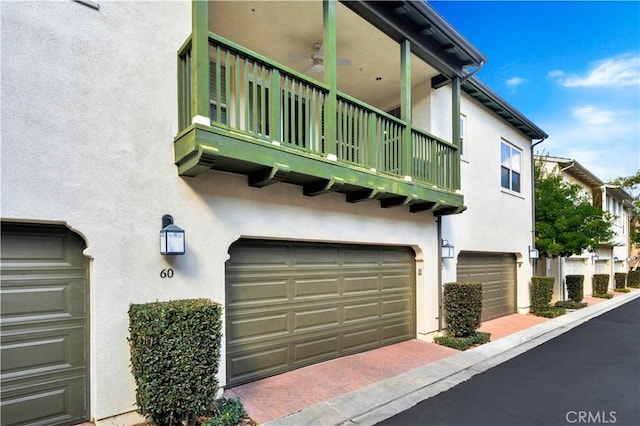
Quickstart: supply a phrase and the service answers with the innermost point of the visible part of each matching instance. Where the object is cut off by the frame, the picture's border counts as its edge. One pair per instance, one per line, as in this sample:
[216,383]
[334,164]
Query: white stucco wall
[496,220]
[89,108]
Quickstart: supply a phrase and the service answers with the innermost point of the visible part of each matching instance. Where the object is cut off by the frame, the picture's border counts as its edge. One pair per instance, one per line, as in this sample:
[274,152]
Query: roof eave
[491,100]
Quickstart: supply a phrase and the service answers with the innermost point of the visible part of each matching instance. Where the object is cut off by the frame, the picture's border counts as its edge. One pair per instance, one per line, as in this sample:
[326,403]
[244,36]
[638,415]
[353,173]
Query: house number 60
[166,273]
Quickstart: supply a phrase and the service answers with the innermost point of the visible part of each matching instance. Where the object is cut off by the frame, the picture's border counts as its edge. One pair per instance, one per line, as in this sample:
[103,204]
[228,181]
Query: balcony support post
[455,130]
[405,104]
[330,75]
[274,107]
[200,103]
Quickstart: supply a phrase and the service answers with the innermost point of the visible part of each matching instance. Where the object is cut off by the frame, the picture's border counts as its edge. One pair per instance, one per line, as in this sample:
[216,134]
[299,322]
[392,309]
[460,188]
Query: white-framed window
[463,134]
[510,167]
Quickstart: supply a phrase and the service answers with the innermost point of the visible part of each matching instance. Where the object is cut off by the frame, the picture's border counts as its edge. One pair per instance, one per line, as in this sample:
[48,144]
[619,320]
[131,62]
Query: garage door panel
[260,361]
[29,299]
[257,326]
[396,332]
[315,350]
[54,403]
[354,285]
[361,311]
[39,249]
[250,257]
[394,281]
[396,307]
[336,306]
[27,353]
[315,288]
[360,257]
[361,339]
[43,352]
[497,273]
[313,256]
[256,291]
[315,319]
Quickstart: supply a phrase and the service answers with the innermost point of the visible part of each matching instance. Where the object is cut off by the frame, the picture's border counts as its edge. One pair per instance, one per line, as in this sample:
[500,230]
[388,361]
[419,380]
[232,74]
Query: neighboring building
[310,151]
[610,256]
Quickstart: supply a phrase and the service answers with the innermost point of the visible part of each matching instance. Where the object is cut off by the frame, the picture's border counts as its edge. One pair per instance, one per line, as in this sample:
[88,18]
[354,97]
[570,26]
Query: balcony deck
[291,137]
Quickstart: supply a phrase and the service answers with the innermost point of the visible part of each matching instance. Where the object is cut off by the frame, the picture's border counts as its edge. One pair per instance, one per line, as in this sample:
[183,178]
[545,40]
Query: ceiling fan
[316,59]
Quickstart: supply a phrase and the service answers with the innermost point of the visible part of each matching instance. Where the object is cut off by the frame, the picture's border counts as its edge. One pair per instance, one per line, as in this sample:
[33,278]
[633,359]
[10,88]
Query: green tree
[567,222]
[631,184]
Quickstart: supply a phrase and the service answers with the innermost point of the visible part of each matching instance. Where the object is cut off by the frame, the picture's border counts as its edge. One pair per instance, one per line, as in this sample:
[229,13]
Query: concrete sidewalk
[374,403]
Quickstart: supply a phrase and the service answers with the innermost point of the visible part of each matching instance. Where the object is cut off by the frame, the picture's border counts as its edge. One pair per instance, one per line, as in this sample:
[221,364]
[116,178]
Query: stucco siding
[496,220]
[89,117]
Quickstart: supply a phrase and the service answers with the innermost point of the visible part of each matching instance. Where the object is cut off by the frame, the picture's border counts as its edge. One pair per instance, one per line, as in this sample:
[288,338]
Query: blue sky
[573,68]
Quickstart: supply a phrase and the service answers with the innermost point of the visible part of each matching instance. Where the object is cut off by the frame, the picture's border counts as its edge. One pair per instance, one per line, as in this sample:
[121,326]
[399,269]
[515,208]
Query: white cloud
[623,70]
[515,81]
[604,141]
[589,114]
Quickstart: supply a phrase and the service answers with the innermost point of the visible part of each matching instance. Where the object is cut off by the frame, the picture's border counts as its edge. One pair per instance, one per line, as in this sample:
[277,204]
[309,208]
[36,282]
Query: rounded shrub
[575,287]
[600,284]
[463,308]
[541,293]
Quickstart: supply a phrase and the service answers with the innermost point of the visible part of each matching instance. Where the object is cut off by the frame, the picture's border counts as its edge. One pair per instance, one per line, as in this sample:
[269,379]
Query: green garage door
[43,326]
[294,304]
[497,273]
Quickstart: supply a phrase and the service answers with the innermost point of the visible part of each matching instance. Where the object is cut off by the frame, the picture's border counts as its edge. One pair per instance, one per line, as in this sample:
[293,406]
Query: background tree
[567,222]
[631,184]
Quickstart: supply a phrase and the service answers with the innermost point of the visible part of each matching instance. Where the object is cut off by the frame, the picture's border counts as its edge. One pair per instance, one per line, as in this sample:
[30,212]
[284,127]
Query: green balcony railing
[251,95]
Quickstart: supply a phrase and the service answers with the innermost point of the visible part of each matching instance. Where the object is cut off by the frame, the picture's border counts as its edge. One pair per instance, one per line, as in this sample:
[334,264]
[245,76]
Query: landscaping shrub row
[633,279]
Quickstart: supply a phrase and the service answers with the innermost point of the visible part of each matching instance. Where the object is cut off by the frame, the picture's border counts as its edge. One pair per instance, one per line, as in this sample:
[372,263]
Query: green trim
[330,73]
[405,103]
[201,148]
[455,127]
[200,104]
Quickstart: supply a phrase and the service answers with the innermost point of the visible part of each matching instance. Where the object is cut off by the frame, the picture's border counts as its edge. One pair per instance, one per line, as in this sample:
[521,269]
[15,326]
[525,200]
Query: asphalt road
[589,375]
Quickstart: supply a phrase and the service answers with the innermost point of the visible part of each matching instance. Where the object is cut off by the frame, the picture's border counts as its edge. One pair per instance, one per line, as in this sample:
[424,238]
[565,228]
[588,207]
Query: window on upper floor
[510,166]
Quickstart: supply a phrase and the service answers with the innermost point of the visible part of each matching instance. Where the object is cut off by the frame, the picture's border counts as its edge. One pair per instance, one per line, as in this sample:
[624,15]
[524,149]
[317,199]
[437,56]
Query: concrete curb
[374,403]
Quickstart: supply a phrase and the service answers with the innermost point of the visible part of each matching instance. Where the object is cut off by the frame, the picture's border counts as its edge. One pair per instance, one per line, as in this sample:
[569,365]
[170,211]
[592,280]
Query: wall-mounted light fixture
[595,257]
[447,250]
[171,237]
[533,253]
[615,259]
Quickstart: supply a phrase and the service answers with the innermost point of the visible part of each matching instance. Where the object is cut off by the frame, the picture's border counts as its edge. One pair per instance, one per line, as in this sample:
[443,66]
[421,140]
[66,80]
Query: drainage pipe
[533,204]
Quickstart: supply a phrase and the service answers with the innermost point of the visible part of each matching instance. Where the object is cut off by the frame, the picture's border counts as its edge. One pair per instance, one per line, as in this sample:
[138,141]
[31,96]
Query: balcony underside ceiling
[202,148]
[286,31]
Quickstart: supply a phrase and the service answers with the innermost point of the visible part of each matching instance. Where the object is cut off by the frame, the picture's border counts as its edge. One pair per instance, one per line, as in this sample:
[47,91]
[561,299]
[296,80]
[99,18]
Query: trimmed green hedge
[463,343]
[175,353]
[571,304]
[551,312]
[575,287]
[633,279]
[463,308]
[600,284]
[541,293]
[620,279]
